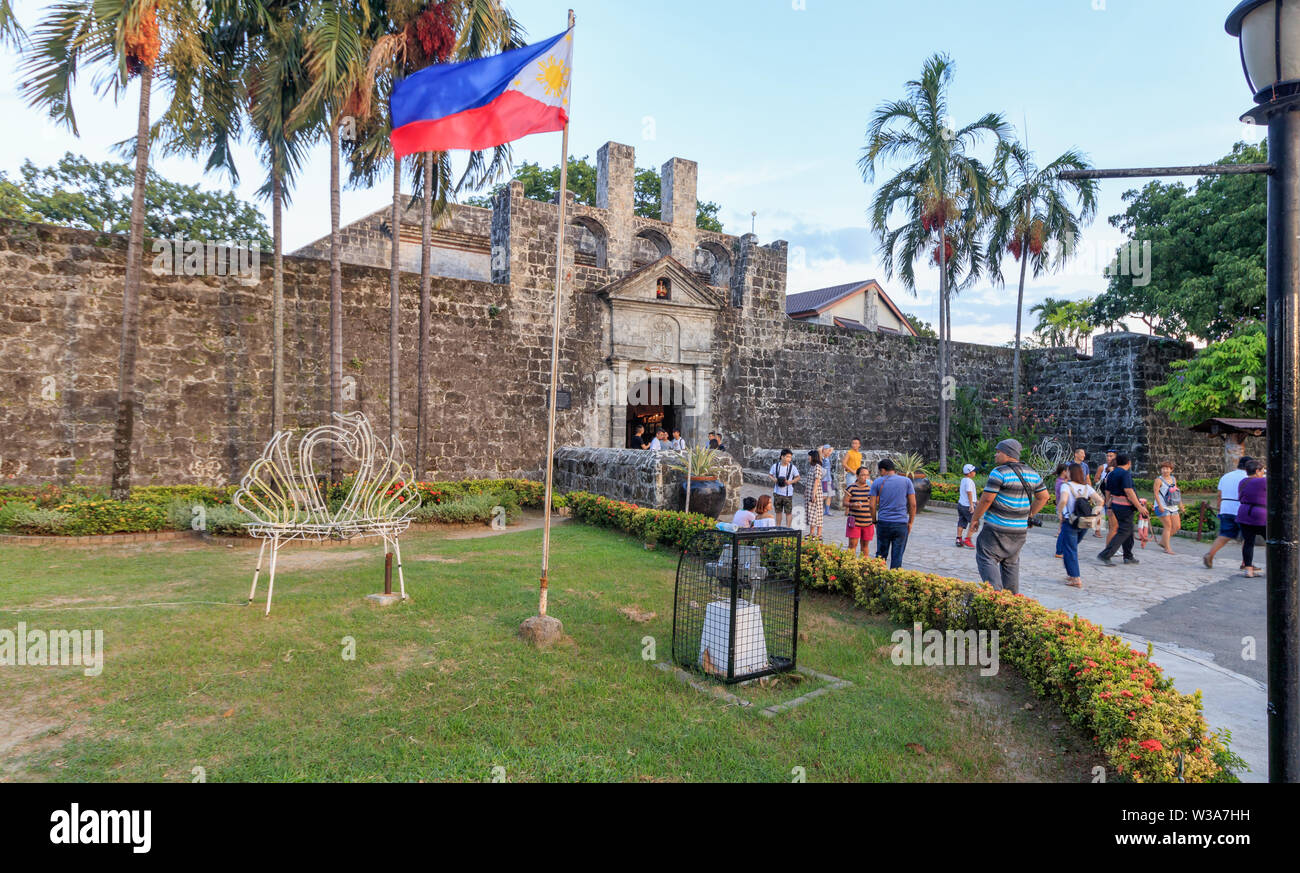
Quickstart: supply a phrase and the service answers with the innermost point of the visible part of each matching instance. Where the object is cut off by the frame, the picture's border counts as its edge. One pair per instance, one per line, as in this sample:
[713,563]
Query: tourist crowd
[1102,501]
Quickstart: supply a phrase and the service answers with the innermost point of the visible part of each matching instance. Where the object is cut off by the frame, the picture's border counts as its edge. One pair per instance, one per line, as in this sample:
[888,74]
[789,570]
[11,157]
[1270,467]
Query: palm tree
[944,192]
[1063,322]
[125,38]
[420,34]
[1036,223]
[279,79]
[255,79]
[11,32]
[338,41]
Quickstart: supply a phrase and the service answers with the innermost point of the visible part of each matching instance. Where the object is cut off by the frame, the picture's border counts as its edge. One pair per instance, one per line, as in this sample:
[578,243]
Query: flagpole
[555,361]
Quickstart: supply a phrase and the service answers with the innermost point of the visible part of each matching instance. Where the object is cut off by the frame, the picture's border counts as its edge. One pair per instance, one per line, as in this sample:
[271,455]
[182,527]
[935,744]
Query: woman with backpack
[1077,509]
[1169,504]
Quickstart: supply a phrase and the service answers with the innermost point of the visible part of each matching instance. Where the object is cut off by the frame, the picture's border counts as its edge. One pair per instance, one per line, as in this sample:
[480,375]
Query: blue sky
[772,97]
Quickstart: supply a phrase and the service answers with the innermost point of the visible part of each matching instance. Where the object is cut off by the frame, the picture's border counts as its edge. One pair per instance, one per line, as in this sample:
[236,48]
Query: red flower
[1152,745]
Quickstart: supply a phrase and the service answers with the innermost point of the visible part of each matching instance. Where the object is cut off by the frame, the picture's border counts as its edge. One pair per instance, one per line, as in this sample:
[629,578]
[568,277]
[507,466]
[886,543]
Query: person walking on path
[1060,477]
[893,505]
[828,477]
[784,474]
[1169,505]
[1075,494]
[1226,506]
[814,496]
[965,505]
[1124,503]
[860,524]
[1012,495]
[1102,472]
[1252,513]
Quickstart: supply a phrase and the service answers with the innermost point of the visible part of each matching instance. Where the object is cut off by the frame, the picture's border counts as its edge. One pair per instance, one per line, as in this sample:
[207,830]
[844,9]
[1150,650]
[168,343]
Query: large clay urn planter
[921,483]
[708,496]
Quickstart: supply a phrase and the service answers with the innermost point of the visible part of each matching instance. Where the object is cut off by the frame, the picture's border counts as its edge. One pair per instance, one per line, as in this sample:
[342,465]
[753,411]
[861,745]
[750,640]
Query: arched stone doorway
[659,401]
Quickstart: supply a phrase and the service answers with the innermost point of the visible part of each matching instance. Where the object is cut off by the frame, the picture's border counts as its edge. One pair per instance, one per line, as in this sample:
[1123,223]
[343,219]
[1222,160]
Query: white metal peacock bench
[283,494]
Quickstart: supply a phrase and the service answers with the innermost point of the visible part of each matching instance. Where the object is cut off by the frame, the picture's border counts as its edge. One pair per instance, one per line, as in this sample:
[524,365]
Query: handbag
[1172,496]
[1082,516]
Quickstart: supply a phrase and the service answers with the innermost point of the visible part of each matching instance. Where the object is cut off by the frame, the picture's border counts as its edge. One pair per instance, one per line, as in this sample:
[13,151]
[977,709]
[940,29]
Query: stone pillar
[677,193]
[870,308]
[502,204]
[615,178]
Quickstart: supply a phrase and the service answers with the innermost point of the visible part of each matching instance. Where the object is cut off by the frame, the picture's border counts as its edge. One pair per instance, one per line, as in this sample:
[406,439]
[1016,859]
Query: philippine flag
[484,103]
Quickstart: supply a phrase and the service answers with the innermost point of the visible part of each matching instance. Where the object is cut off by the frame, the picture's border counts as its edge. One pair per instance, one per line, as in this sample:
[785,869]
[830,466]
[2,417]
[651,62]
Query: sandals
[1075,583]
[1207,561]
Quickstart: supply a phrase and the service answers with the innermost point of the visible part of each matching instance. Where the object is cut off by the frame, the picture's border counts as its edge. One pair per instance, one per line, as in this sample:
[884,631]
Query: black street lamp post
[1269,33]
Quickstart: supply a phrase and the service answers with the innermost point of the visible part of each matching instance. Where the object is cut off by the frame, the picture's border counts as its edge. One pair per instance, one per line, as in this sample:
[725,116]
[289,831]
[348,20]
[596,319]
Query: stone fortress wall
[747,370]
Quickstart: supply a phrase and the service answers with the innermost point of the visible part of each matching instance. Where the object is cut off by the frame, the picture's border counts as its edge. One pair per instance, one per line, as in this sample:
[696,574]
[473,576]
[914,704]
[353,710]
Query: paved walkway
[1115,596]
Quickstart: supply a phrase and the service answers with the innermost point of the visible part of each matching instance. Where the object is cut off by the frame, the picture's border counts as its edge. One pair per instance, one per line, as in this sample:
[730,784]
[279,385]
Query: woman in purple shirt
[1252,516]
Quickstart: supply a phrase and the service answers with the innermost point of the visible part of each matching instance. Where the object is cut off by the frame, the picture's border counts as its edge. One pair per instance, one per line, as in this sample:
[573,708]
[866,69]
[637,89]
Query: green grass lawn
[442,689]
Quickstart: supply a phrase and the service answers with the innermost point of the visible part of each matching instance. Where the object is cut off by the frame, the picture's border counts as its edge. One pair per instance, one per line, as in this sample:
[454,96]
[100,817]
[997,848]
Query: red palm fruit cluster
[430,37]
[947,250]
[143,42]
[355,105]
[1036,236]
[1016,246]
[938,213]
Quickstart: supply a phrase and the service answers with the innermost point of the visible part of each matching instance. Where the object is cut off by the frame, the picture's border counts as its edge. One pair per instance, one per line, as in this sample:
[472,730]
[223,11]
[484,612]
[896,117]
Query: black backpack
[1081,510]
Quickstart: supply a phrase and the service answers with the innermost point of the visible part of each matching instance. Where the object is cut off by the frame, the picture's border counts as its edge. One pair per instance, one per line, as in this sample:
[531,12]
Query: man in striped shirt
[860,526]
[1013,494]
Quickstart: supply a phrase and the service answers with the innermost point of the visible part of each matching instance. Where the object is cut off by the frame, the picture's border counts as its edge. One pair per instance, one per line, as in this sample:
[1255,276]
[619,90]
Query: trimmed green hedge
[53,510]
[1147,729]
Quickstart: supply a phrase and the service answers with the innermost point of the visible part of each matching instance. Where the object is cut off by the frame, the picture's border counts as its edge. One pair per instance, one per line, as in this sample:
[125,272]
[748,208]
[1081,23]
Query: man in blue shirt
[893,503]
[1013,494]
[1080,458]
[1123,503]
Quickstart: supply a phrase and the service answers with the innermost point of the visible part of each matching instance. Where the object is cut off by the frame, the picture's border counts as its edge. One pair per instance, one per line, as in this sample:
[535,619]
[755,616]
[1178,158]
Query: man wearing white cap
[965,505]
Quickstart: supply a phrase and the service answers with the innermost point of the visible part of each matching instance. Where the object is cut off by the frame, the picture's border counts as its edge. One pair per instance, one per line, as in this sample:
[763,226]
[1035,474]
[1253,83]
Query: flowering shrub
[1147,729]
[88,517]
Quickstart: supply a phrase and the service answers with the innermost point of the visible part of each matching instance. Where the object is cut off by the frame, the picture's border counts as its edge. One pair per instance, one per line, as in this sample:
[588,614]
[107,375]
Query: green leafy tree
[1223,380]
[1207,254]
[945,196]
[14,202]
[76,192]
[922,328]
[542,183]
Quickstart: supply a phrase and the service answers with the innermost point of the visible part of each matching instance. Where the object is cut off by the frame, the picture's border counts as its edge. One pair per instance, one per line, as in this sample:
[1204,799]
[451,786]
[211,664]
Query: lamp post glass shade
[1269,34]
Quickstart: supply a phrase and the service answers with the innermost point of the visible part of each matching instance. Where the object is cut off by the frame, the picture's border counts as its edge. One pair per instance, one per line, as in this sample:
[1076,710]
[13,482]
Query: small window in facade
[664,288]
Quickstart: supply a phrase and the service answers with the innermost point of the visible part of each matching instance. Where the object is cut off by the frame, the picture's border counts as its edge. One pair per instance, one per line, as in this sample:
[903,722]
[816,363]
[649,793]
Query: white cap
[969,468]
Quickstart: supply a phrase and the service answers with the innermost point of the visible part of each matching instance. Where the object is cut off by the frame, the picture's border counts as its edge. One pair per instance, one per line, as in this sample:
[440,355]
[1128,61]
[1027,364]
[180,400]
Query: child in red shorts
[861,526]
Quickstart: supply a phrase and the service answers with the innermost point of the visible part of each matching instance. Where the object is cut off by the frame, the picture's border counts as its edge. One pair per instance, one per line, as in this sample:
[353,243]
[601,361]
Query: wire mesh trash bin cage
[736,603]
